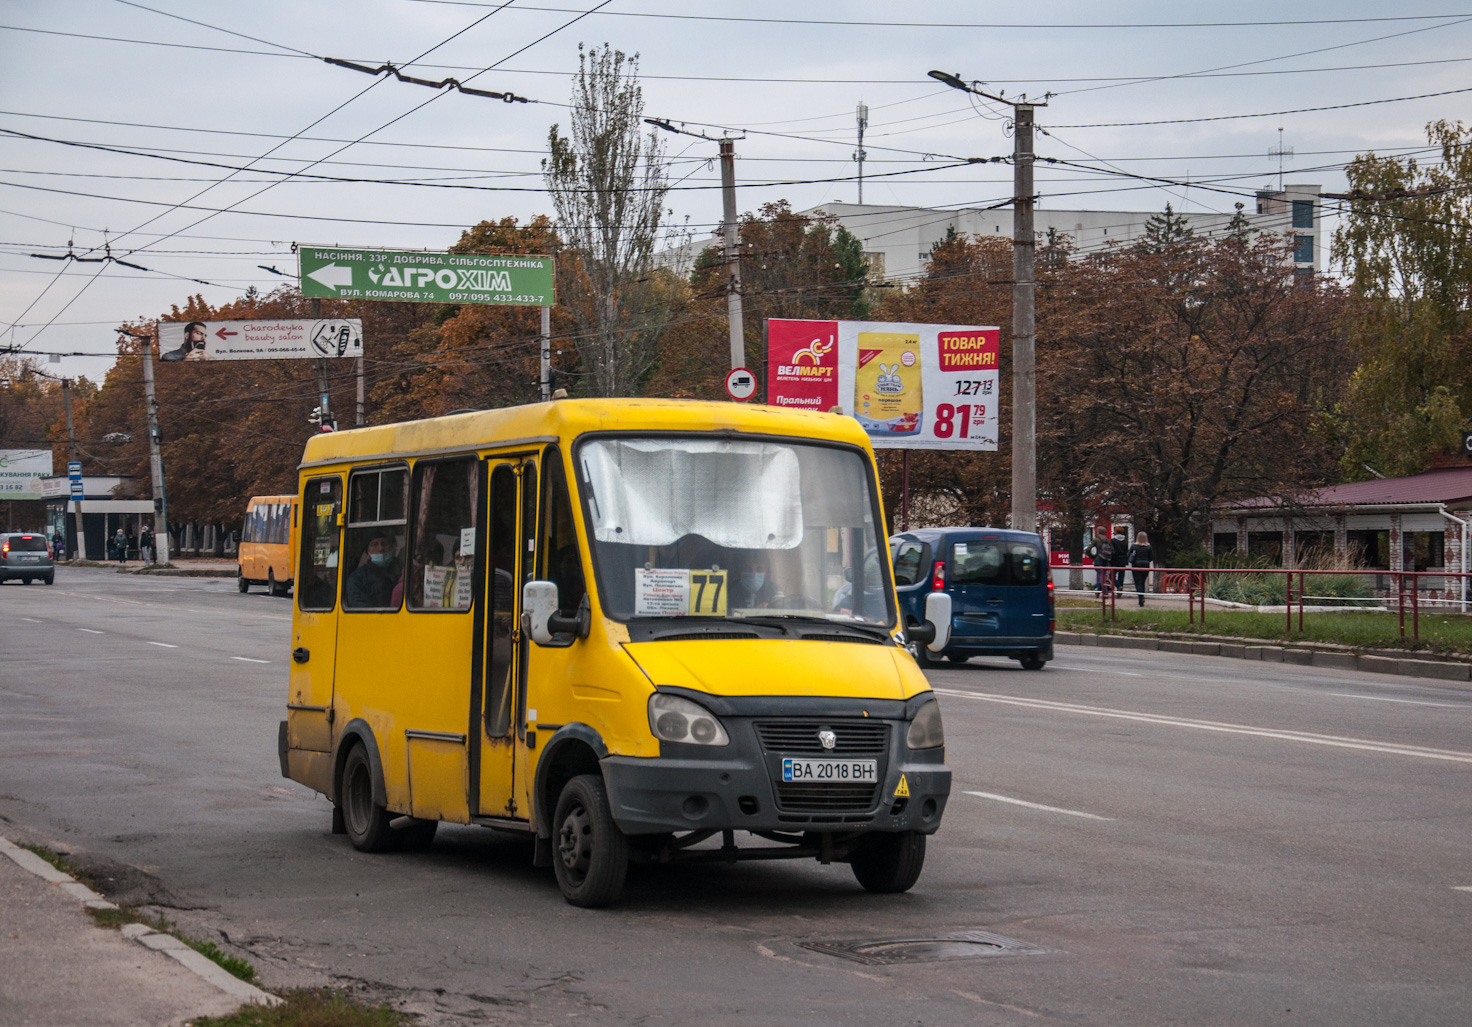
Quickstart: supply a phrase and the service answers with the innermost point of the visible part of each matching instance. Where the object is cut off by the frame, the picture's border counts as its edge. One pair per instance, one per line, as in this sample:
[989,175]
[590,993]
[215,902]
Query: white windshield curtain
[653,492]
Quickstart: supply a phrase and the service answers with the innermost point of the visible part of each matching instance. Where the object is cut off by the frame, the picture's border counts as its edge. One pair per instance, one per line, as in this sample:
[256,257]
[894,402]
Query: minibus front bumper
[739,786]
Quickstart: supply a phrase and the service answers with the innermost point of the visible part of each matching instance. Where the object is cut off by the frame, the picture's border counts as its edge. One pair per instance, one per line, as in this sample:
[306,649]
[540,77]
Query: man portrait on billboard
[193,346]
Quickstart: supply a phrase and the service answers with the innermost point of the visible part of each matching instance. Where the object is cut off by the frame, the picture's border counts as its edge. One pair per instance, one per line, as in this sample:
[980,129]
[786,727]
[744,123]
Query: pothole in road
[951,945]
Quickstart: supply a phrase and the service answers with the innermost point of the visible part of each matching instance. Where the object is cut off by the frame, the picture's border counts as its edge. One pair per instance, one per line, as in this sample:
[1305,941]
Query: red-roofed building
[1415,523]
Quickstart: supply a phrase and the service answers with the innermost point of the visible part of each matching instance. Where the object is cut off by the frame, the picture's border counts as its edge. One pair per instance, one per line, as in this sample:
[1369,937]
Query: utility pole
[362,412]
[1024,318]
[71,458]
[546,348]
[728,232]
[155,457]
[322,372]
[860,153]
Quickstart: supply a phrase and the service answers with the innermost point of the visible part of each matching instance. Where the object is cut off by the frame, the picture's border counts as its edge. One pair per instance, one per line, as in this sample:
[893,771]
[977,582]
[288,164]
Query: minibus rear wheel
[889,863]
[591,856]
[365,820]
[241,581]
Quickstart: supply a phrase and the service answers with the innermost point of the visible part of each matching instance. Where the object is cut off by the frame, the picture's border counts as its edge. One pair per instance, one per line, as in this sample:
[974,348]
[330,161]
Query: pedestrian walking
[145,545]
[58,546]
[1121,556]
[1102,552]
[1141,560]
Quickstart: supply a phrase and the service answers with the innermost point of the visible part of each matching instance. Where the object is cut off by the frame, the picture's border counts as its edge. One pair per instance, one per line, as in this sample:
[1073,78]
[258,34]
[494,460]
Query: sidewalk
[58,967]
[183,567]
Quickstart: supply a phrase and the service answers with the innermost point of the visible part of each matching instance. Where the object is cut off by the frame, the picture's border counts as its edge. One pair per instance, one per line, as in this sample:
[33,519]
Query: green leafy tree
[1406,247]
[1164,231]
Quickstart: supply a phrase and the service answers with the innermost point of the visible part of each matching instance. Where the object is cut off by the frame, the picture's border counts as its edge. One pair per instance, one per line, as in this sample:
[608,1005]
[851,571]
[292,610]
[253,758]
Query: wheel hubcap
[575,841]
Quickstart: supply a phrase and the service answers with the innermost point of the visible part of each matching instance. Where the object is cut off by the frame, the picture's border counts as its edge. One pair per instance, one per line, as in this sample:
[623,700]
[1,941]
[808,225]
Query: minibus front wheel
[590,853]
[890,862]
[365,820]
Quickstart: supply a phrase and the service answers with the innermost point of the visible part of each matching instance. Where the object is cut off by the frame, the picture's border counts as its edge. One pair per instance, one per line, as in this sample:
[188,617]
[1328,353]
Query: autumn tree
[607,182]
[1406,247]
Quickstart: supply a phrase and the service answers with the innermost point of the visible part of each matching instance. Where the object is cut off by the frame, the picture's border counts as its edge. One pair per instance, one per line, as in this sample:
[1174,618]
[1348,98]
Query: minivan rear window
[28,543]
[996,563]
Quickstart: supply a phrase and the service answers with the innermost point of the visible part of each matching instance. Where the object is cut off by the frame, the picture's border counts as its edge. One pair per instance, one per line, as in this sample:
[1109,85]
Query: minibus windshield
[730,528]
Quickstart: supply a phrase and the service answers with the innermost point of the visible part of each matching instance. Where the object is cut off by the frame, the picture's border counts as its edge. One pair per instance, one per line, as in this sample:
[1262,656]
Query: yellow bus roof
[565,419]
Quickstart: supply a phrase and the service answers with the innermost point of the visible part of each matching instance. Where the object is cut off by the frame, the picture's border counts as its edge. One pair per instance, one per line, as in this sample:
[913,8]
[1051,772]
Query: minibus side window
[317,581]
[562,564]
[441,570]
[502,544]
[375,540]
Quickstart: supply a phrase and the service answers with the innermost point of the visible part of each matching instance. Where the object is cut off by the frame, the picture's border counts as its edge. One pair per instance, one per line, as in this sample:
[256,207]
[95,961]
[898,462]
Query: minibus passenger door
[512,489]
[314,633]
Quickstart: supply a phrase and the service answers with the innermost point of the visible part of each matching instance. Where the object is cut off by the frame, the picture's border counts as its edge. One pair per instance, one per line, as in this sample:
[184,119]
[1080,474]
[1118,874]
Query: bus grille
[826,798]
[855,738]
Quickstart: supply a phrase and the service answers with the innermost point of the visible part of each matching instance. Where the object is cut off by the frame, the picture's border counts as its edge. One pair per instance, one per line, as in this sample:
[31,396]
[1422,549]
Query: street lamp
[733,262]
[1024,313]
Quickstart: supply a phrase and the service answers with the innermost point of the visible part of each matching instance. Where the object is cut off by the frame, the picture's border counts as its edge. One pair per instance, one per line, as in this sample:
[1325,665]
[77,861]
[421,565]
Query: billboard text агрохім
[912,386]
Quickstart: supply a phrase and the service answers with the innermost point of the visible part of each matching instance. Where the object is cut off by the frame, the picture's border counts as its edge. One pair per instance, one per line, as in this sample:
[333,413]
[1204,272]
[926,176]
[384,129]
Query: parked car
[27,556]
[1000,589]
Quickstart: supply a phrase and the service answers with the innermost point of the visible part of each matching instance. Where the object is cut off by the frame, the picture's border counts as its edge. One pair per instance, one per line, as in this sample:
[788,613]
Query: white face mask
[752,580]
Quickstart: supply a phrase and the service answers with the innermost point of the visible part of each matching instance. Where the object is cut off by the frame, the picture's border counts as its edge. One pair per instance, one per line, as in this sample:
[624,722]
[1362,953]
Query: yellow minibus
[267,554]
[629,629]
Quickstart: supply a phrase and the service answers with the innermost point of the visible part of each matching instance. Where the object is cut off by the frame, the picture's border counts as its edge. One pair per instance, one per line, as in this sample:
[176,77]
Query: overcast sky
[141,78]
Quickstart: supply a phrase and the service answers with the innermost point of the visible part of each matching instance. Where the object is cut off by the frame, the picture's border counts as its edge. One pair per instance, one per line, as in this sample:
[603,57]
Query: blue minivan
[1000,589]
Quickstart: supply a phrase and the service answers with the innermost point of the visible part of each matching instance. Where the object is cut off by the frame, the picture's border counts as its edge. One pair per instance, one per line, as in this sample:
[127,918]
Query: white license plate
[831,771]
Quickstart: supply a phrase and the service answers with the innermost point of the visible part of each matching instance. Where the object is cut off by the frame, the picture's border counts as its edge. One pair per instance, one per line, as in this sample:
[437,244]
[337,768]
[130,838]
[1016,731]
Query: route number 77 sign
[911,386]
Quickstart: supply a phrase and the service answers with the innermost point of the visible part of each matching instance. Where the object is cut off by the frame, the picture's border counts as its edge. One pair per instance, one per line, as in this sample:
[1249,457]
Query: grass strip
[1444,634]
[309,1008]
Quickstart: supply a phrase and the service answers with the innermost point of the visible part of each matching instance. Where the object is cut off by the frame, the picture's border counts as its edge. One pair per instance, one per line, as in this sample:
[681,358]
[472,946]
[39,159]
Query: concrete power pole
[546,348]
[155,459]
[71,458]
[1024,319]
[733,256]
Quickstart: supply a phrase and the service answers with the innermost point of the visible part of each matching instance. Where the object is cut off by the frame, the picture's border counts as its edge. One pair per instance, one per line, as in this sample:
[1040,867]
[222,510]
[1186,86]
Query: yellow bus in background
[267,553]
[629,630]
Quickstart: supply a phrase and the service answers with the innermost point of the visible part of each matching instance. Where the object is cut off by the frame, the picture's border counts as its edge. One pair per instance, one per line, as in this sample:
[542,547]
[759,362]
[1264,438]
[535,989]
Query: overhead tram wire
[775,80]
[1267,114]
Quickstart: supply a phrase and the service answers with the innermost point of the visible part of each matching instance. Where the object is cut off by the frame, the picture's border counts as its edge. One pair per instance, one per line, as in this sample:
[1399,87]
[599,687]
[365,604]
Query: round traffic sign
[740,384]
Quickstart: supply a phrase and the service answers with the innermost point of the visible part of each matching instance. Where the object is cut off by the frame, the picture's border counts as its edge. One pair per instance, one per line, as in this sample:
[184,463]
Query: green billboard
[409,276]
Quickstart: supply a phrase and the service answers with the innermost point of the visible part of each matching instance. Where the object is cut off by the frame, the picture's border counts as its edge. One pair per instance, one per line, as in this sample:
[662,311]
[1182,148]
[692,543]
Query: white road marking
[247,659]
[92,631]
[1461,887]
[31,620]
[1368,745]
[163,645]
[1037,805]
[1381,698]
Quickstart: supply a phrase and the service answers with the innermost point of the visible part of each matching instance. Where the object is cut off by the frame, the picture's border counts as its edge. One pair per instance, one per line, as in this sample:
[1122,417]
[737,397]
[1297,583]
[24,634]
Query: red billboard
[803,364]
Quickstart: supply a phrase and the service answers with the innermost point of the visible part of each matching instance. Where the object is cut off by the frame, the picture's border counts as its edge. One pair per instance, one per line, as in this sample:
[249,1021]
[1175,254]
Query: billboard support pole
[71,458]
[321,371]
[546,360]
[155,458]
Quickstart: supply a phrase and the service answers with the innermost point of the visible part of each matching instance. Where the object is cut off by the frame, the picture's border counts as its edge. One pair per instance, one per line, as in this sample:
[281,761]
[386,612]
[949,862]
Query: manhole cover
[952,945]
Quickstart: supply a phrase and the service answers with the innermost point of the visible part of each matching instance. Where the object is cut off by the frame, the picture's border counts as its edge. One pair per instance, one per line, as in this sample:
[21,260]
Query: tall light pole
[728,233]
[1024,341]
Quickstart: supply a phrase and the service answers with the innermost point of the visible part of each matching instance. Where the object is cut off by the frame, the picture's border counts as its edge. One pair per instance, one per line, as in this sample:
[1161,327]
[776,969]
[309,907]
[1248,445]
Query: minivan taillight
[938,576]
[5,548]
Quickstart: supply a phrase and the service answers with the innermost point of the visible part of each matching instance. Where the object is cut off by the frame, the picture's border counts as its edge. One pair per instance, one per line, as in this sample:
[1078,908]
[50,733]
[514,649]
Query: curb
[141,933]
[1452,673]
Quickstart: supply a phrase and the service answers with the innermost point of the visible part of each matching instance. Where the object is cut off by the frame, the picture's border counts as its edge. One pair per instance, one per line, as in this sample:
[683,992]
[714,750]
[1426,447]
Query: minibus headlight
[673,719]
[925,730]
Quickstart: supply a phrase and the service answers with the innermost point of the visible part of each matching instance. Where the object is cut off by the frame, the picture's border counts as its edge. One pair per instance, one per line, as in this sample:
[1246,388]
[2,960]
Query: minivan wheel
[48,579]
[889,863]
[365,820]
[25,581]
[591,856]
[1032,662]
[240,580]
[957,658]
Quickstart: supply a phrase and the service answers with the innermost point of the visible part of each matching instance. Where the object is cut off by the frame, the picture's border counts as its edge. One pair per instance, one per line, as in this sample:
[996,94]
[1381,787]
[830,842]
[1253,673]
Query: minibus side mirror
[935,633]
[540,618]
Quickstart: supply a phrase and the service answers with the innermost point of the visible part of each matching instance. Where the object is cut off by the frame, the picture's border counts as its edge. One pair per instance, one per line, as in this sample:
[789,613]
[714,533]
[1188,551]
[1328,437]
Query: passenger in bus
[372,584]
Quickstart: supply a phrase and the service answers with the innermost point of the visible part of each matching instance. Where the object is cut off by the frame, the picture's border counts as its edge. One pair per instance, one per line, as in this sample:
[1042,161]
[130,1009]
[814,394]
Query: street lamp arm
[956,82]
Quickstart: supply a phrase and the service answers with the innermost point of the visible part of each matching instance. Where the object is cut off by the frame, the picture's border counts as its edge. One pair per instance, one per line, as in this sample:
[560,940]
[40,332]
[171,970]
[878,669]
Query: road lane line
[1283,734]
[163,645]
[1411,702]
[1037,805]
[92,631]
[247,659]
[31,620]
[1461,887]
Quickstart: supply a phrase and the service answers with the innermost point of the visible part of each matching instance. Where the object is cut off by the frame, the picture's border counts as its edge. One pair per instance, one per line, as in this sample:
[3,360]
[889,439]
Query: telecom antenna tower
[859,154]
[1280,153]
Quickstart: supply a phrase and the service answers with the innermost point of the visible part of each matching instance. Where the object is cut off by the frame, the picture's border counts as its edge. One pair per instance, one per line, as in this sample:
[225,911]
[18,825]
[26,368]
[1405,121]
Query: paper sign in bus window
[661,593]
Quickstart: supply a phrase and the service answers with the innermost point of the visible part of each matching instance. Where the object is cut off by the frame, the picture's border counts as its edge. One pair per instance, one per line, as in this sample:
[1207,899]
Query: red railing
[1195,582]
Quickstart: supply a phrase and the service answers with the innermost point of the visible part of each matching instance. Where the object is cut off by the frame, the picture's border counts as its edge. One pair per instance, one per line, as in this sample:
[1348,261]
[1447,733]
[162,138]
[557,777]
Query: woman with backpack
[1141,560]
[1103,553]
